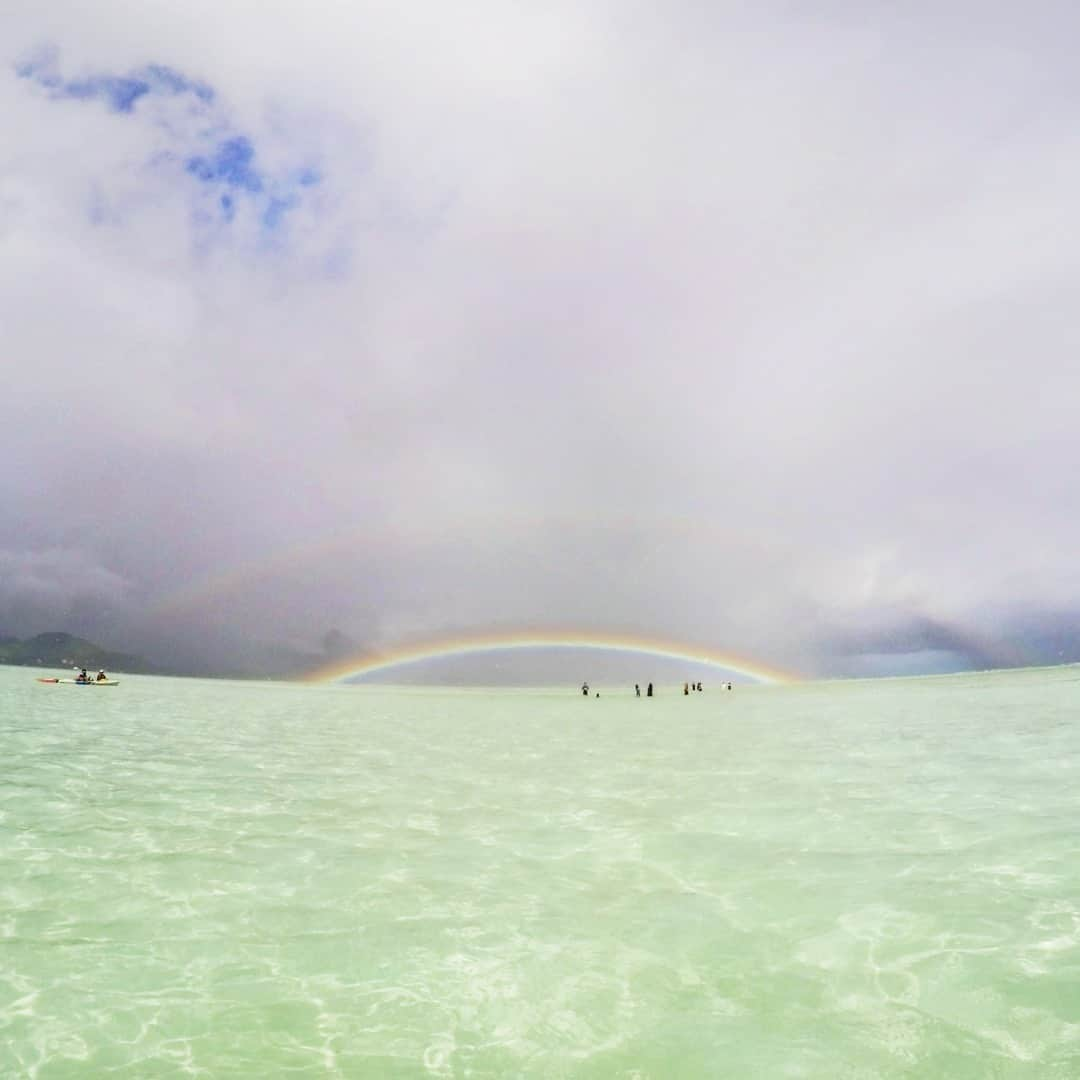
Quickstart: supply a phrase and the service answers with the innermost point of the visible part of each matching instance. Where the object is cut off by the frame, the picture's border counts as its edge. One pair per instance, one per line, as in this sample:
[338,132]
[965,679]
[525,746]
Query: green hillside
[58,650]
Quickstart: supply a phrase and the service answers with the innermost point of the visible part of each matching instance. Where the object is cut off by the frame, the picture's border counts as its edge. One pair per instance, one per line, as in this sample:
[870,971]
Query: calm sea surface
[220,879]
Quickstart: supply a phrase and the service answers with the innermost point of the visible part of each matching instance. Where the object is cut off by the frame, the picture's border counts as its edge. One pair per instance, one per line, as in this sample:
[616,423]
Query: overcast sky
[752,325]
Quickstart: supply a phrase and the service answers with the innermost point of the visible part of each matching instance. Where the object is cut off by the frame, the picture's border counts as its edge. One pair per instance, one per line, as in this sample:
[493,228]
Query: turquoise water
[836,880]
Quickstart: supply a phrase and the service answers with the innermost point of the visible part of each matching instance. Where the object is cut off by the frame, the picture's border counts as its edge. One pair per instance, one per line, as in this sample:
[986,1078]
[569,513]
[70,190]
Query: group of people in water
[83,677]
[687,687]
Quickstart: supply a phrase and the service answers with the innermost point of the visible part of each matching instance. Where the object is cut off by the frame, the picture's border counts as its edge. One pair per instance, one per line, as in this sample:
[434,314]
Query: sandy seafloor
[222,879]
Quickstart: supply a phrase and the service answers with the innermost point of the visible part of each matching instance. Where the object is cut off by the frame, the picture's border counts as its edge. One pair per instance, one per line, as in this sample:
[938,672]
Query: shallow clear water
[875,879]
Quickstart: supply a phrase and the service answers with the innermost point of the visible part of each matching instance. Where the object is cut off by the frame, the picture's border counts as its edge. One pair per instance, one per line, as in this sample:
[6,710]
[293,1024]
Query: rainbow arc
[356,667]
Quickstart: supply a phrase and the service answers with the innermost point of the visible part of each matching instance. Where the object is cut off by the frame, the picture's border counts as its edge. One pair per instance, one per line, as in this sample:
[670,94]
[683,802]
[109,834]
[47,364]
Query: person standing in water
[637,690]
[648,692]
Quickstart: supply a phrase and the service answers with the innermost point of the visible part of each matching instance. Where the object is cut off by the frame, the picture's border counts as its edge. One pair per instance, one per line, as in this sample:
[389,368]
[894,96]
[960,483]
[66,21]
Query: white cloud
[733,323]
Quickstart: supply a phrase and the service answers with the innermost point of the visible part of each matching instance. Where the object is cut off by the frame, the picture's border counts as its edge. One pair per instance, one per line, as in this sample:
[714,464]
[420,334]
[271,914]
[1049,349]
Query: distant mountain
[58,650]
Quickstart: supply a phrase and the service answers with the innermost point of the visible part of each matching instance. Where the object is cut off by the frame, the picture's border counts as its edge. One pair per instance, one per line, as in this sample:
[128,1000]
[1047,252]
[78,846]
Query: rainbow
[356,667]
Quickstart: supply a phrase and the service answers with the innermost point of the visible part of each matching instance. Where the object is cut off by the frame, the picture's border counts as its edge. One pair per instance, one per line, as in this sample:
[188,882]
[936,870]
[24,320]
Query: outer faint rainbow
[467,645]
[212,587]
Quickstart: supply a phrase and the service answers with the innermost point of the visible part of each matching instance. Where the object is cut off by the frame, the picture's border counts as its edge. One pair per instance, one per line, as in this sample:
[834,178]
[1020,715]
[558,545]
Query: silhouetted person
[648,692]
[637,690]
[585,689]
[686,688]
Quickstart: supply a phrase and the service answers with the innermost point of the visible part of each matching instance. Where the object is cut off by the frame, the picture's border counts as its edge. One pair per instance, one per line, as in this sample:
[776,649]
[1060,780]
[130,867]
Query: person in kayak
[82,676]
[101,676]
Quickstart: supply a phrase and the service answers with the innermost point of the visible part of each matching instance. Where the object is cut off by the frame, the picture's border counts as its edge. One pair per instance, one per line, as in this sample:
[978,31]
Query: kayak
[80,682]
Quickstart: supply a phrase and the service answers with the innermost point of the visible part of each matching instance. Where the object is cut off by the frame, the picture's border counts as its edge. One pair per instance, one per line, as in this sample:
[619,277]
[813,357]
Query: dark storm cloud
[883,634]
[740,324]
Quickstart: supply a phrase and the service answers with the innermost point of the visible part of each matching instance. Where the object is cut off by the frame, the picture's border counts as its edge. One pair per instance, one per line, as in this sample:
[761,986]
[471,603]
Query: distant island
[59,650]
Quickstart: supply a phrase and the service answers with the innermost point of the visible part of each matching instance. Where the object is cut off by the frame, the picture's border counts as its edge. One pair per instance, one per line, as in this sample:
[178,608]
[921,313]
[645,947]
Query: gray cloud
[742,325]
[56,586]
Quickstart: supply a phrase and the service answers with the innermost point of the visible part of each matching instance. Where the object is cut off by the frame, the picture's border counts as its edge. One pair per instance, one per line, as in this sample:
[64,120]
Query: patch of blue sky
[276,209]
[221,160]
[232,172]
[42,69]
[232,163]
[121,93]
[286,194]
[172,81]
